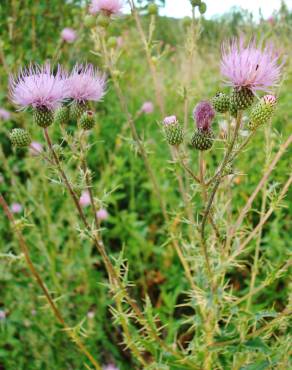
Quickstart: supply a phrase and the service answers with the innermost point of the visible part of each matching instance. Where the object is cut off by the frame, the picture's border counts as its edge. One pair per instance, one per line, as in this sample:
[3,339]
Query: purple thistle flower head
[102,214]
[84,199]
[204,114]
[170,120]
[111,7]
[110,367]
[16,208]
[35,148]
[38,87]
[270,100]
[85,83]
[253,67]
[147,107]
[4,114]
[68,35]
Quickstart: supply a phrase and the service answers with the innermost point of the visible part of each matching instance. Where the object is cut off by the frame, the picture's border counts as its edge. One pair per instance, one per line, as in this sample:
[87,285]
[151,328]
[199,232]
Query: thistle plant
[151,248]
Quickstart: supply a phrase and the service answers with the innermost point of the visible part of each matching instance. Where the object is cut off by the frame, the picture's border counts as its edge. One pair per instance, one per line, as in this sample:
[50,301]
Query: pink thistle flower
[35,148]
[2,315]
[85,83]
[90,314]
[253,67]
[270,99]
[271,20]
[102,214]
[120,42]
[147,107]
[111,7]
[84,200]
[170,120]
[204,114]
[38,87]
[110,367]
[68,35]
[16,208]
[4,114]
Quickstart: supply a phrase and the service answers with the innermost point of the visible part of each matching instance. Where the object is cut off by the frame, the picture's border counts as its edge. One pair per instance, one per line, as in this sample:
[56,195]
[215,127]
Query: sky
[181,8]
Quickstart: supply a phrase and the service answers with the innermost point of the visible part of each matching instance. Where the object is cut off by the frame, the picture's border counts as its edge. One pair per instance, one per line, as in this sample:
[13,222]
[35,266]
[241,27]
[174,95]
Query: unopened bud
[43,116]
[20,138]
[263,111]
[173,131]
[87,120]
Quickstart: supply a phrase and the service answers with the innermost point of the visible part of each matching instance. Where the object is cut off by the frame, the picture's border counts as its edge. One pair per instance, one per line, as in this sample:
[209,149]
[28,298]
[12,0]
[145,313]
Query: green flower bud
[103,20]
[20,138]
[203,139]
[152,9]
[241,98]
[61,116]
[77,109]
[262,112]
[186,22]
[173,131]
[89,21]
[221,102]
[202,8]
[196,2]
[87,120]
[112,42]
[43,116]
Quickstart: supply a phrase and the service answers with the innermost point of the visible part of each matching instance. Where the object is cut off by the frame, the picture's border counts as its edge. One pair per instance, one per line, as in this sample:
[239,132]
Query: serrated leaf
[257,344]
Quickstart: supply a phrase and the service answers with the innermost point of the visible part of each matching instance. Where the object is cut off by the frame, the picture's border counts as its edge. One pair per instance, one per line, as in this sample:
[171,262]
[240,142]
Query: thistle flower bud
[89,21]
[202,8]
[262,111]
[232,109]
[204,115]
[152,9]
[173,131]
[242,98]
[196,2]
[186,22]
[87,120]
[43,116]
[77,108]
[20,138]
[103,20]
[203,139]
[61,116]
[112,42]
[220,102]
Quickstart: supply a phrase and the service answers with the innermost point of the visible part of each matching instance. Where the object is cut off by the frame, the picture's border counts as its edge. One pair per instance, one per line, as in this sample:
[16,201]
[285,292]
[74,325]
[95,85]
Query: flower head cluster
[110,7]
[85,83]
[204,114]
[250,66]
[38,87]
[68,35]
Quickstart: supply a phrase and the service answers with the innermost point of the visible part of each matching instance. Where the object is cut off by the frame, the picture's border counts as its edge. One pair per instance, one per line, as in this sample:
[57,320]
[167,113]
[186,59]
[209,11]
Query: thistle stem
[213,193]
[114,278]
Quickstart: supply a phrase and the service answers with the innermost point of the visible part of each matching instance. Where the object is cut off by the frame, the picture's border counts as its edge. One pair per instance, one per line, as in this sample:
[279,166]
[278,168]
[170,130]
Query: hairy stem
[213,193]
